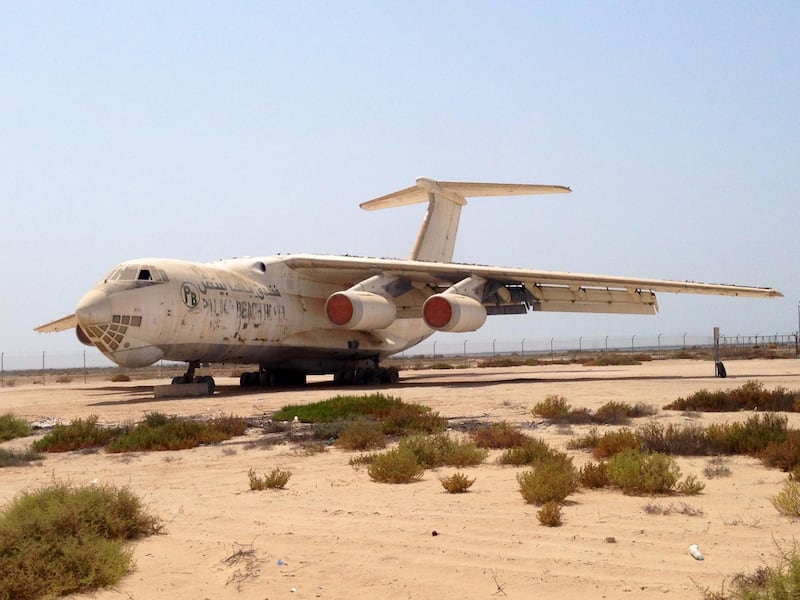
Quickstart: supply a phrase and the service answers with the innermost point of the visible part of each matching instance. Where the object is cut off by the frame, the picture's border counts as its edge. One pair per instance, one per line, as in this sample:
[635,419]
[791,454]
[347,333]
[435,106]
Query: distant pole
[434,349]
[494,352]
[606,344]
[797,337]
[684,341]
[659,343]
[465,351]
[633,348]
[43,367]
[551,348]
[580,347]
[2,369]
[523,339]
[84,366]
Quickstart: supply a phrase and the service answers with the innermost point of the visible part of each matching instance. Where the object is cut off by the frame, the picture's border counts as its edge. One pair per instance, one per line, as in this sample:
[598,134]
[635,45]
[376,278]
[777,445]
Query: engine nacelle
[360,310]
[453,312]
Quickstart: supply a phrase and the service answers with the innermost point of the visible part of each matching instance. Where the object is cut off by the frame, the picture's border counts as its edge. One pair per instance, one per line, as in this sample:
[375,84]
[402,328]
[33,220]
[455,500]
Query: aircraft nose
[94,309]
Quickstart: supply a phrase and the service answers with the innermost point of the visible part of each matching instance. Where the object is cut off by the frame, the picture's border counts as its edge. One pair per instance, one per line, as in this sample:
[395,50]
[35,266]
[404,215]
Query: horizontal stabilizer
[68,322]
[419,192]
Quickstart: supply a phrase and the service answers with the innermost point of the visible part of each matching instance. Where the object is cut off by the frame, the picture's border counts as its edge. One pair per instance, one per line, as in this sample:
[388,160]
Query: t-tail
[436,239]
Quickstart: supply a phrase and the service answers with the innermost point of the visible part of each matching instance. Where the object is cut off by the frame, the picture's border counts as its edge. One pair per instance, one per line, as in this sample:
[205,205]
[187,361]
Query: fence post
[2,369]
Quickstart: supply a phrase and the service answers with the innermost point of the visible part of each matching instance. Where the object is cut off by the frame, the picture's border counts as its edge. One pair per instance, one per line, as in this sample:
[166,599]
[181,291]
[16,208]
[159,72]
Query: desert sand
[334,533]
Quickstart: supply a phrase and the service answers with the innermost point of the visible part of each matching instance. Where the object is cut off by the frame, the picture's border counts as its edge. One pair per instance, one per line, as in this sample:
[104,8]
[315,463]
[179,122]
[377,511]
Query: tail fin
[437,236]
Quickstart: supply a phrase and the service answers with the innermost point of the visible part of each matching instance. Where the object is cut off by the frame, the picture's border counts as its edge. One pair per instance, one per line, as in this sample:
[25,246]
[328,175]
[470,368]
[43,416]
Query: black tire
[392,375]
[209,382]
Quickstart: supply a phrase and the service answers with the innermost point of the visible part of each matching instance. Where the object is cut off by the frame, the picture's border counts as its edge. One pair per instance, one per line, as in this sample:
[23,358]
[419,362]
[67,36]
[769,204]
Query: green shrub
[79,434]
[362,459]
[683,440]
[614,442]
[620,413]
[614,413]
[457,483]
[409,419]
[550,514]
[593,475]
[60,540]
[787,502]
[395,466]
[749,396]
[553,407]
[637,473]
[585,442]
[533,451]
[341,408]
[767,583]
[498,435]
[550,480]
[750,437]
[440,450]
[783,455]
[690,486]
[323,431]
[362,434]
[398,418]
[274,480]
[12,427]
[160,432]
[15,458]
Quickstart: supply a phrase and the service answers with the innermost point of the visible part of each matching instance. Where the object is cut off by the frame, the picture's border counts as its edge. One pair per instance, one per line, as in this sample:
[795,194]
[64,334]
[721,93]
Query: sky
[207,130]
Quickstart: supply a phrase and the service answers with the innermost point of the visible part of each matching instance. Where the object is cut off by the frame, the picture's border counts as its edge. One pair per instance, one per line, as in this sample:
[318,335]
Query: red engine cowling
[453,312]
[360,310]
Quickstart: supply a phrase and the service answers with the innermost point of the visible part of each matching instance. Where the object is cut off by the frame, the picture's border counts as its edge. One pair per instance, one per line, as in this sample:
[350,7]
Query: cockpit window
[137,273]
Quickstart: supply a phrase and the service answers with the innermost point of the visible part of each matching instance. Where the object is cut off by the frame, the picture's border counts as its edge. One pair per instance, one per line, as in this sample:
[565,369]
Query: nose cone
[94,309]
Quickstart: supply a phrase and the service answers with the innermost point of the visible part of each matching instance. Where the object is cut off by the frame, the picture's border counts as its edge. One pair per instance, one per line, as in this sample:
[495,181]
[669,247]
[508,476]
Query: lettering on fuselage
[219,305]
[190,294]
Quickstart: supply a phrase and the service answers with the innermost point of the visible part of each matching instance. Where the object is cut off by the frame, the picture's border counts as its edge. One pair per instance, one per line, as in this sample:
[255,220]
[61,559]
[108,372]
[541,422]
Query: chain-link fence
[465,345]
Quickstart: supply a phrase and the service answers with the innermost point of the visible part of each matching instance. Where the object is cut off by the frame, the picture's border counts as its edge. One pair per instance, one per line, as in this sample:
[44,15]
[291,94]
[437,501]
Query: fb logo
[190,294]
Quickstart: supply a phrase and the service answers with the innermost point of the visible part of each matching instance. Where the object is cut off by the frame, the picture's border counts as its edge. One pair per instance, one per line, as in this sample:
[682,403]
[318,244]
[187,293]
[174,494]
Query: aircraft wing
[68,322]
[508,289]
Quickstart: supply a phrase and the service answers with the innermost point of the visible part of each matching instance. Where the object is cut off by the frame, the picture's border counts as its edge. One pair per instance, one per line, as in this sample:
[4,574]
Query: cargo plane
[299,314]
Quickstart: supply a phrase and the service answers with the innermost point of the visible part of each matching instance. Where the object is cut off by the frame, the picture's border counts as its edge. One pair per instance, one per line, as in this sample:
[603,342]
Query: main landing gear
[273,378]
[296,378]
[189,377]
[367,376]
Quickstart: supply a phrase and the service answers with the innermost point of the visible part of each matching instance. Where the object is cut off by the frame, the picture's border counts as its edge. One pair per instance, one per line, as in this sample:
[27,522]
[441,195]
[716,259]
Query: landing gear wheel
[390,375]
[209,382]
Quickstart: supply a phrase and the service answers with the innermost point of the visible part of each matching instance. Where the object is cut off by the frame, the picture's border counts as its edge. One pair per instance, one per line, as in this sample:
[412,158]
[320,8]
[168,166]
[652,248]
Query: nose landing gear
[189,377]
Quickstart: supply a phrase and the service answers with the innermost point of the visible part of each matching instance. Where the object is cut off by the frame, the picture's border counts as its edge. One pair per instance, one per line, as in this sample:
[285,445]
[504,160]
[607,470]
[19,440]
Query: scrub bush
[458,483]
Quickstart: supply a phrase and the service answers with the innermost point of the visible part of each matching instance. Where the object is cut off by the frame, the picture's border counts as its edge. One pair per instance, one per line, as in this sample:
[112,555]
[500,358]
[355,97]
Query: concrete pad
[183,390]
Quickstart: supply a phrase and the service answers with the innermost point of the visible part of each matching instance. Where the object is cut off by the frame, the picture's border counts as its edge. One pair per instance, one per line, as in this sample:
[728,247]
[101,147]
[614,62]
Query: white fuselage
[252,310]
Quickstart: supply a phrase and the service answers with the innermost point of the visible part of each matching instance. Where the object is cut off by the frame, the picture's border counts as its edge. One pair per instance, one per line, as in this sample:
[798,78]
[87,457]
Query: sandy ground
[337,534]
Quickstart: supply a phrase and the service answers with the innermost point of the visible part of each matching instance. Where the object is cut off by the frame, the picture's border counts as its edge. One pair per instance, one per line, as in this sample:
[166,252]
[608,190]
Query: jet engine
[453,312]
[360,310]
